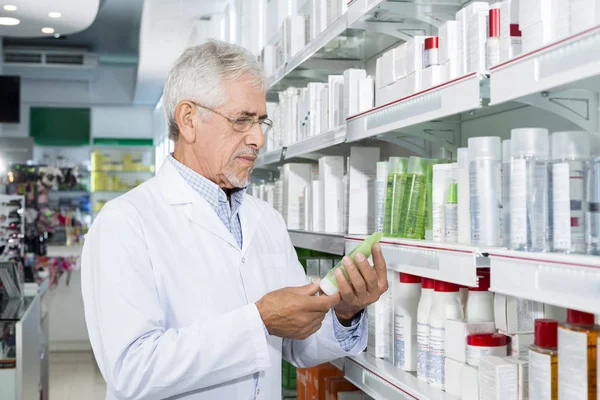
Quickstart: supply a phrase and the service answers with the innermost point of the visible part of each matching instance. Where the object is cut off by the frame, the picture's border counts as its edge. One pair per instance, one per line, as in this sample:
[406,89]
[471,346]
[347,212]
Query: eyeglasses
[244,123]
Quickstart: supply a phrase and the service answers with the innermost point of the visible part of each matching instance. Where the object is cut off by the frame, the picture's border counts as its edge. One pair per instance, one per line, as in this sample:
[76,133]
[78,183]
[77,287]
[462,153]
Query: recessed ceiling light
[54,14]
[47,30]
[57,35]
[9,21]
[10,7]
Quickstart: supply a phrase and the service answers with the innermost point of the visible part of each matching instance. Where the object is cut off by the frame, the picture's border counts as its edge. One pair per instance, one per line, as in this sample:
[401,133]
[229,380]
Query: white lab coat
[169,297]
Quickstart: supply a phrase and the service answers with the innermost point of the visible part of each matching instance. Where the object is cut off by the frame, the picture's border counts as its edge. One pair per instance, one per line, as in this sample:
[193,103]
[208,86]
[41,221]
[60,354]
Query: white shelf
[446,262]
[565,280]
[380,380]
[326,242]
[270,157]
[316,143]
[564,64]
[331,32]
[450,98]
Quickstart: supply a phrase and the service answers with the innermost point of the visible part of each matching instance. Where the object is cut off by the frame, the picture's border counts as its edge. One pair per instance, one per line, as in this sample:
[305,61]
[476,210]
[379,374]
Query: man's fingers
[367,272]
[308,290]
[380,267]
[322,303]
[346,291]
[356,279]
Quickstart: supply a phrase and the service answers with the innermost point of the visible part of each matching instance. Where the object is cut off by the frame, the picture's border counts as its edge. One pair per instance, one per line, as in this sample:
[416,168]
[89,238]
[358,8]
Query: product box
[351,79]
[448,40]
[320,373]
[518,347]
[498,379]
[314,107]
[522,377]
[269,59]
[331,172]
[414,54]
[509,15]
[510,48]
[312,269]
[315,202]
[387,300]
[532,12]
[399,62]
[301,383]
[452,372]
[387,68]
[537,36]
[432,76]
[412,83]
[325,265]
[362,174]
[391,93]
[456,337]
[377,317]
[451,69]
[295,178]
[461,41]
[324,126]
[514,315]
[476,36]
[366,94]
[338,385]
[469,383]
[336,101]
[379,81]
[585,14]
[294,35]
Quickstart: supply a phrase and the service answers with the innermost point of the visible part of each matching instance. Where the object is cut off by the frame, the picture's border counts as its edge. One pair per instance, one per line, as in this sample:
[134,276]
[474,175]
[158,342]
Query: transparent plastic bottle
[592,184]
[396,169]
[505,221]
[412,223]
[543,361]
[485,186]
[464,217]
[529,190]
[570,152]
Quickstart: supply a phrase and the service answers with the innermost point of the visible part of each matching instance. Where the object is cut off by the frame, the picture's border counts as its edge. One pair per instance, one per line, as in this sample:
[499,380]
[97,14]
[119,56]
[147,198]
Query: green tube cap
[398,165]
[417,165]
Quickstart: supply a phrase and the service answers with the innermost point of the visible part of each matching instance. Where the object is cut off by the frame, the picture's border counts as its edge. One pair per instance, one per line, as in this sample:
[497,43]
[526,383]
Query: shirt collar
[209,190]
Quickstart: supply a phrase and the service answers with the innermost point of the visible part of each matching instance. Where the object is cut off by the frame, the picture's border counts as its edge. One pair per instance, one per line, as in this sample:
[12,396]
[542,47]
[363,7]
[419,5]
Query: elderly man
[192,288]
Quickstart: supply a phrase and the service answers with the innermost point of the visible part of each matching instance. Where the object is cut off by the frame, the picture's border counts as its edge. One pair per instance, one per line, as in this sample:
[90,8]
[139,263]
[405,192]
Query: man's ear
[184,113]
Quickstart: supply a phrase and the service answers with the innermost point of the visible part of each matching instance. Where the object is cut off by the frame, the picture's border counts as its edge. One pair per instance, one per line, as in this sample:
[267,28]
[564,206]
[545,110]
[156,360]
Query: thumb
[308,290]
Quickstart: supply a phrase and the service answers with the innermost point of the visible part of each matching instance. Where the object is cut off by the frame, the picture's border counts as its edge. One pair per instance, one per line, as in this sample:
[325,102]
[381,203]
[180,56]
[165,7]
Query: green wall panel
[54,126]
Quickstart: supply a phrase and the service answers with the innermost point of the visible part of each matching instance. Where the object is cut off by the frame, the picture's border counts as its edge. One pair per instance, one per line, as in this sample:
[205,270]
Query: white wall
[122,122]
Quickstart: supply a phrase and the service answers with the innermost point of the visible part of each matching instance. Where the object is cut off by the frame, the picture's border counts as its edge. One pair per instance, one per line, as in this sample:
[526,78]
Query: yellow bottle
[577,341]
[543,361]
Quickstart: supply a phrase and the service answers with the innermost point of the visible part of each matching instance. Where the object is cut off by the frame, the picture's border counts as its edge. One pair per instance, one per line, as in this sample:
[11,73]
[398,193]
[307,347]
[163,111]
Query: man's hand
[366,286]
[295,312]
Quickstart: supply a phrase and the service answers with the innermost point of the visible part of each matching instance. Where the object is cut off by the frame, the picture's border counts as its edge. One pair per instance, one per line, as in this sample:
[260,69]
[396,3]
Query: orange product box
[320,373]
[300,383]
[309,393]
[338,385]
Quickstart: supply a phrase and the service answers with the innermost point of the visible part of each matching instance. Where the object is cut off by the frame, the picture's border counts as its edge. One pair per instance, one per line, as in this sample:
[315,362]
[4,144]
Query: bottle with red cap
[493,40]
[480,302]
[577,345]
[485,344]
[431,52]
[446,305]
[423,311]
[543,361]
[406,302]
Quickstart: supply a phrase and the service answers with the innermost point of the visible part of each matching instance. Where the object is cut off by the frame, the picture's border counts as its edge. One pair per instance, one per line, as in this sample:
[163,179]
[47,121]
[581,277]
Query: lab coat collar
[176,191]
[249,217]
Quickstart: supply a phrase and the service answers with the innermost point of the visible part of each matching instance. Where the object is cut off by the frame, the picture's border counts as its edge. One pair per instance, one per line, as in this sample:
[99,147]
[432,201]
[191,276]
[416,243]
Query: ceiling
[33,15]
[114,34]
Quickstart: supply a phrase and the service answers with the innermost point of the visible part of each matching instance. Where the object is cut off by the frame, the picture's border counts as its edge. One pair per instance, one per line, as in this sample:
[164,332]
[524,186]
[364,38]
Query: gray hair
[198,73]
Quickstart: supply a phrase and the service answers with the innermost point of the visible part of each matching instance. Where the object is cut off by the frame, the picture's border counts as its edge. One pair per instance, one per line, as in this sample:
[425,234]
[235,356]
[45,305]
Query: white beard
[235,181]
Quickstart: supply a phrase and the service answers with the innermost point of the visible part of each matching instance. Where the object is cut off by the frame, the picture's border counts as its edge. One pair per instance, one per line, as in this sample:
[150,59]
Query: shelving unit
[565,280]
[268,158]
[315,143]
[380,380]
[326,242]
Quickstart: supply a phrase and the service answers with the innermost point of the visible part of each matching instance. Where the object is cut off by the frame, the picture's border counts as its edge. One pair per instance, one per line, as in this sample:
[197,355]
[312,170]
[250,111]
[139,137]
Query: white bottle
[485,156]
[493,40]
[505,220]
[406,303]
[464,218]
[446,305]
[570,152]
[451,213]
[529,190]
[439,193]
[480,303]
[423,311]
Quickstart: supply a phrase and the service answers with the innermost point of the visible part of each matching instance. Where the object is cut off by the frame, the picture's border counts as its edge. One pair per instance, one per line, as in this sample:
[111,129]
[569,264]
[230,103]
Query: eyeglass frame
[233,121]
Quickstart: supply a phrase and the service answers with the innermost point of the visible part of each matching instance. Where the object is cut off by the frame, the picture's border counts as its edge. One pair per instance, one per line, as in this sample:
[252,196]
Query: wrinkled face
[228,155]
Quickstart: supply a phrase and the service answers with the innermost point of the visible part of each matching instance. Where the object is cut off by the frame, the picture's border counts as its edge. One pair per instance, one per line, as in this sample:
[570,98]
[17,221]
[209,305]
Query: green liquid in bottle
[414,202]
[394,193]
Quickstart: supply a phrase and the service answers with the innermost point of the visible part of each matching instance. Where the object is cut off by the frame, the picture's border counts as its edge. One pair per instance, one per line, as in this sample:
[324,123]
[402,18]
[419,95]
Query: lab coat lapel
[249,219]
[176,191]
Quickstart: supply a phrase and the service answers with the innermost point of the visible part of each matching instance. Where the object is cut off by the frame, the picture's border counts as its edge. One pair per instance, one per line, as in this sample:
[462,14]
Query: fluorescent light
[57,35]
[47,30]
[54,14]
[10,7]
[9,21]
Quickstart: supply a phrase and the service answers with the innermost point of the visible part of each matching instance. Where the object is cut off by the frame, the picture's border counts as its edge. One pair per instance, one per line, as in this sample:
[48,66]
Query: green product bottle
[429,202]
[414,202]
[391,223]
[329,284]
